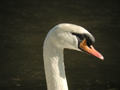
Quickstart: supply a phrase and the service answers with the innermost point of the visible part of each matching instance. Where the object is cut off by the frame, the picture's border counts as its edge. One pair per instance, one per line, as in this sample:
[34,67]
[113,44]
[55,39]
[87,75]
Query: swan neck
[54,67]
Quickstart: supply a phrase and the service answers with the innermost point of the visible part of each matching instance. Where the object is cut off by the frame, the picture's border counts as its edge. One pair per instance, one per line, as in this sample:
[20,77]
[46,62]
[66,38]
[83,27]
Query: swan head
[72,36]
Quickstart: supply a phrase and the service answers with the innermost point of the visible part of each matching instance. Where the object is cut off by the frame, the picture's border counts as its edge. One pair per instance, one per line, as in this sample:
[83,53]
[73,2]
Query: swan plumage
[62,36]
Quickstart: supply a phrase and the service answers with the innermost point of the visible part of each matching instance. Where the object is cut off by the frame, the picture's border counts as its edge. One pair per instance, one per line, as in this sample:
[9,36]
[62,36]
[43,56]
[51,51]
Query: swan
[64,35]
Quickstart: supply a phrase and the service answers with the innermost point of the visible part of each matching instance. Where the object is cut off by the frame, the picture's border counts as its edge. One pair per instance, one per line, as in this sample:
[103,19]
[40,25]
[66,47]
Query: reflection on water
[23,27]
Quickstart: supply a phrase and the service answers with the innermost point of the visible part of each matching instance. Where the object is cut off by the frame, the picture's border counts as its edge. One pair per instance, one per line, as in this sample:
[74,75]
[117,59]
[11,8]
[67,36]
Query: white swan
[64,36]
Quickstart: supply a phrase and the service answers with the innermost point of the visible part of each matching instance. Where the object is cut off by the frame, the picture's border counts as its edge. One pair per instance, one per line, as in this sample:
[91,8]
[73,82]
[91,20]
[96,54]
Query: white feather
[58,38]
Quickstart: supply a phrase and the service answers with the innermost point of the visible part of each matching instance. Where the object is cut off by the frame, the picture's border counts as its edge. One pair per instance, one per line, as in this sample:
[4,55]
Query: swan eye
[81,37]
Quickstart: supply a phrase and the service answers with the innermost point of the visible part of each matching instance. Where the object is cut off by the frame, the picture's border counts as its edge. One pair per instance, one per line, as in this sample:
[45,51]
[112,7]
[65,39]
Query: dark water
[24,25]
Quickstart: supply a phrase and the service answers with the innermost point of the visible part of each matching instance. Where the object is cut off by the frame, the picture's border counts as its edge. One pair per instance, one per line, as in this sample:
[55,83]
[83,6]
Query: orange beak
[90,50]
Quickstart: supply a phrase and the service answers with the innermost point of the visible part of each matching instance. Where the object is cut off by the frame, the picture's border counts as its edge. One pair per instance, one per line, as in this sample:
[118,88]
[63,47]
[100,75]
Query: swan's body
[60,37]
